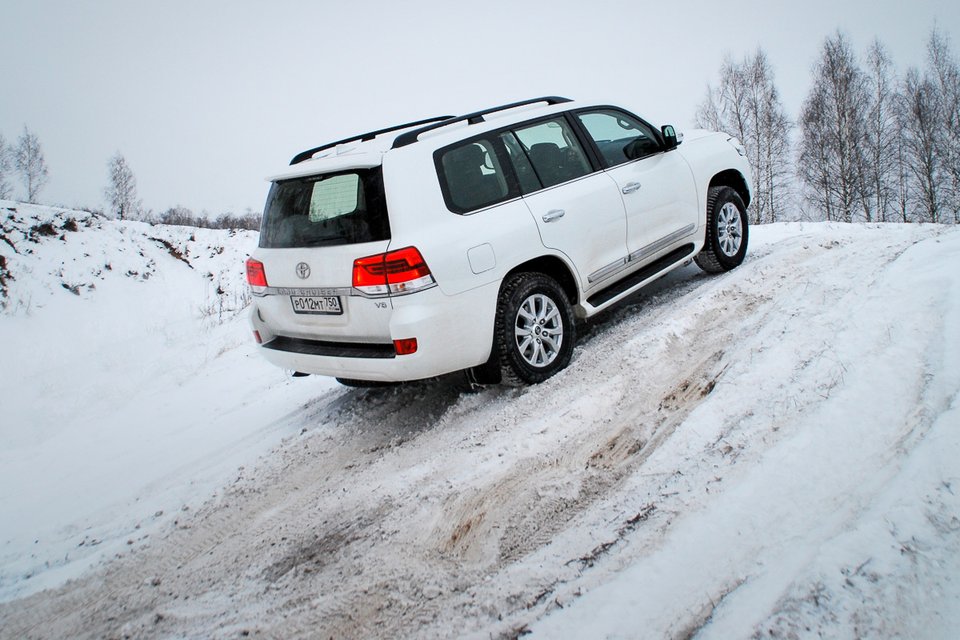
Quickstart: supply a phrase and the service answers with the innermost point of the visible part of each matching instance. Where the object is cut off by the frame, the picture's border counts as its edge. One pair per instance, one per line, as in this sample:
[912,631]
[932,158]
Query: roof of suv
[367,149]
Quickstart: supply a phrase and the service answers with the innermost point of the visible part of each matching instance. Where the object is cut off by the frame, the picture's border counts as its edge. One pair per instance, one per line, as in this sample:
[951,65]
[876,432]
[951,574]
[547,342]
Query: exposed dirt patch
[172,250]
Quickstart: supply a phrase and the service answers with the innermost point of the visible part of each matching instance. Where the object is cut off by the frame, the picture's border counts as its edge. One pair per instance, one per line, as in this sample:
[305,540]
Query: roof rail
[473,118]
[309,153]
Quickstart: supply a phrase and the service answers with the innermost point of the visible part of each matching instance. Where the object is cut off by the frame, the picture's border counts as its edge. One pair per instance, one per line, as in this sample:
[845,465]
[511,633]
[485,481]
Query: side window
[521,164]
[619,137]
[473,176]
[553,151]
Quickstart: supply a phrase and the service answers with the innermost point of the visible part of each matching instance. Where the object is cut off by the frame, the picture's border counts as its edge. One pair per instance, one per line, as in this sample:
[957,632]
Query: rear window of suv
[346,207]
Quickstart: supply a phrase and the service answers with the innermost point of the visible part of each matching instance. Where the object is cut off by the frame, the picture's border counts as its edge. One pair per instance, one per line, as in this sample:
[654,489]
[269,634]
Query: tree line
[25,159]
[183,216]
[121,193]
[871,146]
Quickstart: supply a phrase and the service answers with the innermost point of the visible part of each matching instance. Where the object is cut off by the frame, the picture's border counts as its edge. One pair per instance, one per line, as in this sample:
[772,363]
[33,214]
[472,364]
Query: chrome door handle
[630,187]
[553,214]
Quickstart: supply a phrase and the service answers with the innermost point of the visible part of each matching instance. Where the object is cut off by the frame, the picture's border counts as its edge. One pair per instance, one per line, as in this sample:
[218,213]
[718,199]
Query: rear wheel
[535,330]
[727,231]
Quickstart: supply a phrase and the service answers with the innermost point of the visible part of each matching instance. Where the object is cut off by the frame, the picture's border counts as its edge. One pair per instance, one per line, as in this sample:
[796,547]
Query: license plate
[317,305]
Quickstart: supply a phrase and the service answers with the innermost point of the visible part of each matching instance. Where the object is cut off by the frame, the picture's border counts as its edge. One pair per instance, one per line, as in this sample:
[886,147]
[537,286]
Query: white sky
[205,98]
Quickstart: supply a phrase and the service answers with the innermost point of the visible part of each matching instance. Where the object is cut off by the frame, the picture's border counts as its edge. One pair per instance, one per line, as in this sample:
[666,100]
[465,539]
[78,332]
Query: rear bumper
[452,332]
[334,349]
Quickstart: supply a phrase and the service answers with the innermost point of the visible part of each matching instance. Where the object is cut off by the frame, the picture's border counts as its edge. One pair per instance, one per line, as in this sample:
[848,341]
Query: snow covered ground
[129,390]
[773,452]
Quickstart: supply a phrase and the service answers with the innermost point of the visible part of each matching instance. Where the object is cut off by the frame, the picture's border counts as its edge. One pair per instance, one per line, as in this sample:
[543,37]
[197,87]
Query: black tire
[550,332]
[727,231]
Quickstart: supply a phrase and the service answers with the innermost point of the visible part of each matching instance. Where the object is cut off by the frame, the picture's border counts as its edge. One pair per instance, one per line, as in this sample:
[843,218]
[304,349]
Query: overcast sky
[205,98]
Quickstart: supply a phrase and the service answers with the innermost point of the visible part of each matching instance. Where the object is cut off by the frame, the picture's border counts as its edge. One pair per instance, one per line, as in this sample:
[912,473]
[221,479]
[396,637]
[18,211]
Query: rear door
[577,210]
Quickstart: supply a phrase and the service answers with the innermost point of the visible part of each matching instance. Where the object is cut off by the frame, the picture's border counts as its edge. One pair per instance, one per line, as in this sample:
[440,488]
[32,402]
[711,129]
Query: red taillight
[368,275]
[256,276]
[406,346]
[396,272]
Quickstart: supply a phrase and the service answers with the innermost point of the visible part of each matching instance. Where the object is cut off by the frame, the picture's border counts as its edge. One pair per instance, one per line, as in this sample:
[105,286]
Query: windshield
[347,207]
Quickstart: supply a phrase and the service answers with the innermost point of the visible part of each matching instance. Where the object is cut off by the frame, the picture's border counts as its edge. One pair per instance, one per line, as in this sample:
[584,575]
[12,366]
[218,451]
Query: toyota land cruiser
[475,242]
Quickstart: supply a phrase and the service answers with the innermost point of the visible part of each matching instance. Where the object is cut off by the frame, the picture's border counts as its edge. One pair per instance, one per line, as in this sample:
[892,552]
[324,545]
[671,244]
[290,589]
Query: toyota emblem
[303,270]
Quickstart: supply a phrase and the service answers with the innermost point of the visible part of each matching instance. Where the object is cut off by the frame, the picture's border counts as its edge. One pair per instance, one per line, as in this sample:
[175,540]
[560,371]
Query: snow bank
[129,390]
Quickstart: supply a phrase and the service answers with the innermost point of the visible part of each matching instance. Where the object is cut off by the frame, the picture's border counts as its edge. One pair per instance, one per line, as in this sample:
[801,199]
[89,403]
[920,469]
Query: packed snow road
[770,451]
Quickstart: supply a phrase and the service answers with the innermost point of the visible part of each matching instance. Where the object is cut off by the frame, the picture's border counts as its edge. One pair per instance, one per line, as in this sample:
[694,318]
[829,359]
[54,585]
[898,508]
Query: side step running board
[605,295]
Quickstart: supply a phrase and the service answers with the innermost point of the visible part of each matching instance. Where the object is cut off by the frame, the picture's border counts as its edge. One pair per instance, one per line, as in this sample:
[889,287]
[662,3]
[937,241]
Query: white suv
[475,242]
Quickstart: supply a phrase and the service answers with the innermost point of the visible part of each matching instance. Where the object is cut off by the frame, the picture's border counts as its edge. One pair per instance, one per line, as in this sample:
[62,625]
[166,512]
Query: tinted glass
[331,209]
[553,151]
[521,163]
[619,137]
[473,176]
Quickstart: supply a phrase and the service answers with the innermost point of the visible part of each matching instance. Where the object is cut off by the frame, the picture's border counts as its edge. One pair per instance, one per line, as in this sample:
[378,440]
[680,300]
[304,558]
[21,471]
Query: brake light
[256,276]
[406,346]
[394,273]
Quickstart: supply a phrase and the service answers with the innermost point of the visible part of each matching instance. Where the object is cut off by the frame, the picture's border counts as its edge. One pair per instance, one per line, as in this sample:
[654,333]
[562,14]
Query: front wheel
[727,231]
[535,330]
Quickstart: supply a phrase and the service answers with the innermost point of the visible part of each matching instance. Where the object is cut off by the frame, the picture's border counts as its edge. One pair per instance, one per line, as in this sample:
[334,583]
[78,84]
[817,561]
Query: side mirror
[671,138]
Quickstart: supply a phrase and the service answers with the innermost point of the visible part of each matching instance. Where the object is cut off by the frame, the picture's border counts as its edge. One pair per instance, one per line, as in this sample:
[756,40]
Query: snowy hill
[122,376]
[46,249]
[772,452]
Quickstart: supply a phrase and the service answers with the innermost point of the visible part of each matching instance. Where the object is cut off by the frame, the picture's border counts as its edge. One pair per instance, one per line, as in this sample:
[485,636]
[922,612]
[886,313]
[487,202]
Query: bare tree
[921,119]
[772,139]
[121,193]
[880,137]
[814,162]
[944,75]
[903,195]
[725,107]
[29,163]
[746,104]
[831,159]
[6,163]
[709,114]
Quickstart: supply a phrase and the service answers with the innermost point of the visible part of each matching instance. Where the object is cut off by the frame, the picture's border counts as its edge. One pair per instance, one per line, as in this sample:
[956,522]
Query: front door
[657,187]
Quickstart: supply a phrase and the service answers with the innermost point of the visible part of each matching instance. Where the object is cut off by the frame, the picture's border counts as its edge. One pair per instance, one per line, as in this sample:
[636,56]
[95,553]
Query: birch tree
[880,176]
[815,159]
[944,75]
[746,104]
[6,163]
[831,160]
[920,125]
[121,192]
[30,164]
[772,139]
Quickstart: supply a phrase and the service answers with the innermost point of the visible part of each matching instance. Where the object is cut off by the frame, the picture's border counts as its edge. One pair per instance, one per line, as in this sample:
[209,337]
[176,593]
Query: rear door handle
[553,214]
[630,187]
